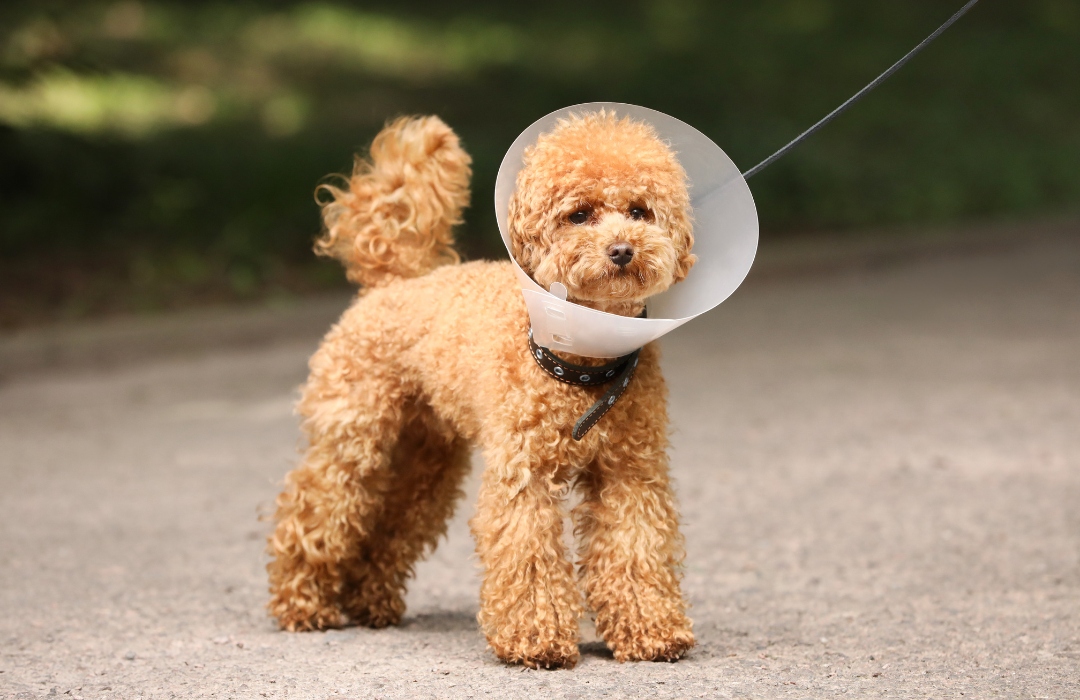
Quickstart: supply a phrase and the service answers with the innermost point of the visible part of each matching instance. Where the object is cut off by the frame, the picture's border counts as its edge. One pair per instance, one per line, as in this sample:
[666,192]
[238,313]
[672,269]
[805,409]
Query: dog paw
[651,642]
[537,636]
[559,653]
[306,618]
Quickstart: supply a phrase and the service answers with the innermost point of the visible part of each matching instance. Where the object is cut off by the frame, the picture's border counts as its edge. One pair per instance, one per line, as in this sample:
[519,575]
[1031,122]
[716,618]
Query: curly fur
[429,361]
[394,219]
[606,167]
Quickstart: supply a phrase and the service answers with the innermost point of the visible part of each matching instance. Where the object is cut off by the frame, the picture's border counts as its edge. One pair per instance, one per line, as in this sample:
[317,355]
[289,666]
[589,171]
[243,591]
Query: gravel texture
[878,461]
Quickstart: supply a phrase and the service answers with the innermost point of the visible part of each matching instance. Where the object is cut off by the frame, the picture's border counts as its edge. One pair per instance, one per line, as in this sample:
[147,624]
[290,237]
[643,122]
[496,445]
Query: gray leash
[858,95]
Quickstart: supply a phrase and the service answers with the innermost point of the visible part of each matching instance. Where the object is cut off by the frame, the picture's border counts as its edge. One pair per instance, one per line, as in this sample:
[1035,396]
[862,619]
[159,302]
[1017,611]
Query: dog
[433,358]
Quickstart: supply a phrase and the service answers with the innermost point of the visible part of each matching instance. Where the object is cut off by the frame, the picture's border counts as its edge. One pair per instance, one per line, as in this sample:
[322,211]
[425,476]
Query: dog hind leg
[428,466]
[333,498]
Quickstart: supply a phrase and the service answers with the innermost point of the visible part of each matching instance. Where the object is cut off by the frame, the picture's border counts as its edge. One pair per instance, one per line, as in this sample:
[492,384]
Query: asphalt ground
[876,449]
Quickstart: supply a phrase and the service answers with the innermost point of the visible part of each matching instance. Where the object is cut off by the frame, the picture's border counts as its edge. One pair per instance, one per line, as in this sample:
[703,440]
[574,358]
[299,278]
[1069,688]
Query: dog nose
[621,253]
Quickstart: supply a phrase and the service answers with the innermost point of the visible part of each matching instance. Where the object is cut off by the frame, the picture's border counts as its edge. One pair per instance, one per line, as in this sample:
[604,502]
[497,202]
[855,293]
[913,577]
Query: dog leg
[630,551]
[332,499]
[428,466]
[529,606]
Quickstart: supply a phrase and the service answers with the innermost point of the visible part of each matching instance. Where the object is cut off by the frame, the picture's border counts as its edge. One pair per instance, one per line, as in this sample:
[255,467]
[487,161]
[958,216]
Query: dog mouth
[616,288]
[632,275]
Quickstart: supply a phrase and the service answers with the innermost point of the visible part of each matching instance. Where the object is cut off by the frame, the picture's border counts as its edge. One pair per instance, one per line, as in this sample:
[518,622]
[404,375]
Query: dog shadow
[458,621]
[464,621]
[443,622]
[596,650]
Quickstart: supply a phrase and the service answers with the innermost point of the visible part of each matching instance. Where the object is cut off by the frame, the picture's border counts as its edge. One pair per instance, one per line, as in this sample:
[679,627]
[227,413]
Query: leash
[858,95]
[622,369]
[619,371]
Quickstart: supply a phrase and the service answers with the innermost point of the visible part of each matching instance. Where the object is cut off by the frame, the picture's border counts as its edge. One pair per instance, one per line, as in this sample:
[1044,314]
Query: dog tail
[393,217]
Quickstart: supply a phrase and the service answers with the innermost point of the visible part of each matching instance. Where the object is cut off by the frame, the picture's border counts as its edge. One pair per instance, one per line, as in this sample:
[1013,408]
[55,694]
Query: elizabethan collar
[725,241]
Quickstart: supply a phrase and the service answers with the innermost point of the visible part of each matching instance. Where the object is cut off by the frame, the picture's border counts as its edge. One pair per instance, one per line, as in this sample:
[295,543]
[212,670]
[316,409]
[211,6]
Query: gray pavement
[876,447]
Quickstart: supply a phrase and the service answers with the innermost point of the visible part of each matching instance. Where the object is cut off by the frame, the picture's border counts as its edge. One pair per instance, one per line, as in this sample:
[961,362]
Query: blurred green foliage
[161,153]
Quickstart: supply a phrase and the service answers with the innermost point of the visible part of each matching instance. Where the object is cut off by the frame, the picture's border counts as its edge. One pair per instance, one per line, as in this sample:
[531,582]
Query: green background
[163,154]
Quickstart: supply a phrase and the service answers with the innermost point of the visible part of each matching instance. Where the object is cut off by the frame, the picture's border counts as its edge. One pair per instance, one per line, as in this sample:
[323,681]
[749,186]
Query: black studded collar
[619,371]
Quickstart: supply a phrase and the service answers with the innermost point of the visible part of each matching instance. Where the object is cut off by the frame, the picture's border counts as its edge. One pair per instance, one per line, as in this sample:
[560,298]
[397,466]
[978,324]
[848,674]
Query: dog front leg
[529,603]
[630,553]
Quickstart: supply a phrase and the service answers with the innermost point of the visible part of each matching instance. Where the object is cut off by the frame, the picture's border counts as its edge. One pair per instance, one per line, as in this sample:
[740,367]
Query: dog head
[602,207]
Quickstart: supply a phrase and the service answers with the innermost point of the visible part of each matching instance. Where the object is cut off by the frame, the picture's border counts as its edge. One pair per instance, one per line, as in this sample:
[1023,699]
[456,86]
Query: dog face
[602,207]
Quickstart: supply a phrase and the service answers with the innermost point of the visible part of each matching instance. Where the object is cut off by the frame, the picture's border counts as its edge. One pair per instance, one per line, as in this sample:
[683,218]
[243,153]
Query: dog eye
[579,217]
[639,213]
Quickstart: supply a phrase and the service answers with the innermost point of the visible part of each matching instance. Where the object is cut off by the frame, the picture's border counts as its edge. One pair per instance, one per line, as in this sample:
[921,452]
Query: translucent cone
[725,241]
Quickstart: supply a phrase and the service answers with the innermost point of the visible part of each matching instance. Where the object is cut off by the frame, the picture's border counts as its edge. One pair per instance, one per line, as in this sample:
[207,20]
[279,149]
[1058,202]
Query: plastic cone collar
[725,241]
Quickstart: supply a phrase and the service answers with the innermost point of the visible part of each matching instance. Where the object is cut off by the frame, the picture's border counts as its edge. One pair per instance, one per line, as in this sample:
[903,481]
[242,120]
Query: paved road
[878,458]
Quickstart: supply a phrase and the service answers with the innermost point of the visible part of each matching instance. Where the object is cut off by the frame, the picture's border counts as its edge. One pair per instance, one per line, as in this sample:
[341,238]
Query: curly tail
[394,217]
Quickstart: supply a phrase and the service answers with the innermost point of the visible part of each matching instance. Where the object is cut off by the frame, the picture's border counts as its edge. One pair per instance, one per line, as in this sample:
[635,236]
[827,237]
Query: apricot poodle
[433,357]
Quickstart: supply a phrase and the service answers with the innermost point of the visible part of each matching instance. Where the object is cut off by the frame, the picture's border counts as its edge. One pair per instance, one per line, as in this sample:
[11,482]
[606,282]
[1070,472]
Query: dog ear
[682,235]
[525,223]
